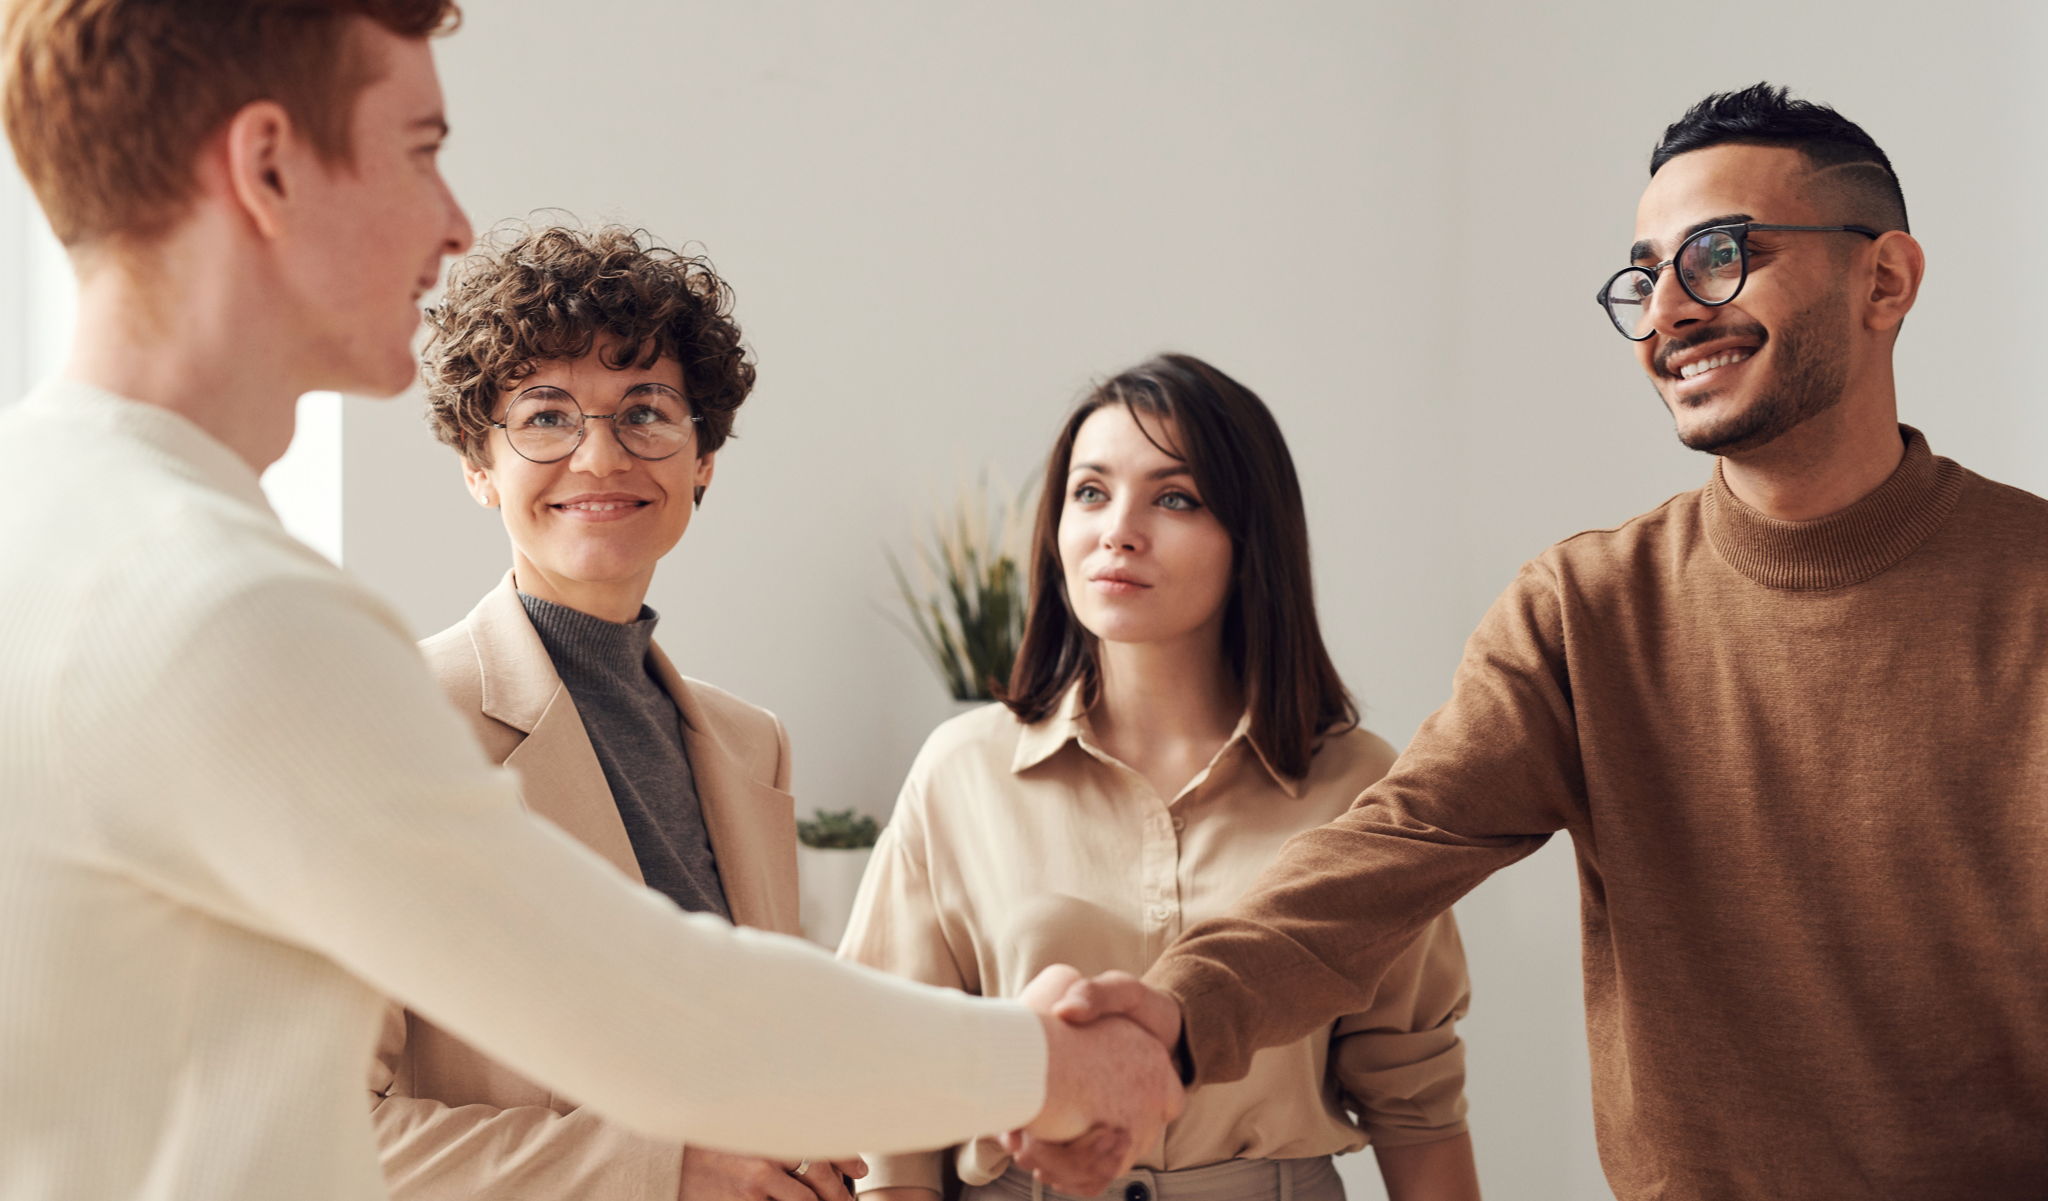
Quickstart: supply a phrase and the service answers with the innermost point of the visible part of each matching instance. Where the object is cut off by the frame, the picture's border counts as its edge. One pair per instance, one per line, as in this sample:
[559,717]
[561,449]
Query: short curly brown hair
[535,293]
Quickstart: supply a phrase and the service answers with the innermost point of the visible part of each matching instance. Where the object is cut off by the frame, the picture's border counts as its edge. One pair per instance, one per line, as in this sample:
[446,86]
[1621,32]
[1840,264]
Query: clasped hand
[710,1175]
[1110,1082]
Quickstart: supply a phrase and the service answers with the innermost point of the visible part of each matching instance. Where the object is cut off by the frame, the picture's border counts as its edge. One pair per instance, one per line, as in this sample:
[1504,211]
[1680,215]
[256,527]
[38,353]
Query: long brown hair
[1271,639]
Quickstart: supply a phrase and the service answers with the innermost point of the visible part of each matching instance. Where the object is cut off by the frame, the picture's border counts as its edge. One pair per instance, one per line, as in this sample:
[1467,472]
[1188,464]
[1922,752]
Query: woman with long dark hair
[1172,719]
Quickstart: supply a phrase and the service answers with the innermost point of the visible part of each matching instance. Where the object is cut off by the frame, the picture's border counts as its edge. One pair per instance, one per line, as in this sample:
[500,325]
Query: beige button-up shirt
[1014,847]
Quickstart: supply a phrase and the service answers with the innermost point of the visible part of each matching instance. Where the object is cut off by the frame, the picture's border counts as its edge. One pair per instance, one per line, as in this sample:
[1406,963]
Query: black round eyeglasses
[1711,265]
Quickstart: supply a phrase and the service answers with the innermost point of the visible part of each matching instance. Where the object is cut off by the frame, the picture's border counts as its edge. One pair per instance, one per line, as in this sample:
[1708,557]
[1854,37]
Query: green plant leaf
[969,619]
[842,829]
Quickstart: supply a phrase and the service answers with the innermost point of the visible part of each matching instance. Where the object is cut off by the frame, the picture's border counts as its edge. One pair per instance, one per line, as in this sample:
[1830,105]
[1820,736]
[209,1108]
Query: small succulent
[845,829]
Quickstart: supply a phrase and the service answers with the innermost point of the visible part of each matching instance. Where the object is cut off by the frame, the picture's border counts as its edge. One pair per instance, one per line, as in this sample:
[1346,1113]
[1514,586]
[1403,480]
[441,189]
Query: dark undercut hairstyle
[1271,639]
[1851,174]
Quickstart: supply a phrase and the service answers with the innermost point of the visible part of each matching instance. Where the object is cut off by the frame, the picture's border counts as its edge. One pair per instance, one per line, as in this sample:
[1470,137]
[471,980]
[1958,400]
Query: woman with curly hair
[587,380]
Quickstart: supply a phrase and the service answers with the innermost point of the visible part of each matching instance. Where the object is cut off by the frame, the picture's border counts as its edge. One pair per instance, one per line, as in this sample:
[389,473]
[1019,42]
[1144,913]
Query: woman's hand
[716,1176]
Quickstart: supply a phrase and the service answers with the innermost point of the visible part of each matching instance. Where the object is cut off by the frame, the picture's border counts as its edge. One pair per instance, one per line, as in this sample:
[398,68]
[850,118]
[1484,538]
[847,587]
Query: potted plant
[967,610]
[831,856]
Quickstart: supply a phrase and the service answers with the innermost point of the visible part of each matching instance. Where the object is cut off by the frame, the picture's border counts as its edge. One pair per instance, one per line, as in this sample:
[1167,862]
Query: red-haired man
[238,813]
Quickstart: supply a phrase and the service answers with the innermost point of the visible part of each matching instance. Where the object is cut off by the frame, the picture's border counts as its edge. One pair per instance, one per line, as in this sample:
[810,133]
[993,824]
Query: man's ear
[1896,271]
[265,157]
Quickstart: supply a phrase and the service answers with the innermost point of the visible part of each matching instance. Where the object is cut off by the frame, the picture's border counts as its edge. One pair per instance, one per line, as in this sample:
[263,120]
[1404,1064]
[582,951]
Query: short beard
[1811,377]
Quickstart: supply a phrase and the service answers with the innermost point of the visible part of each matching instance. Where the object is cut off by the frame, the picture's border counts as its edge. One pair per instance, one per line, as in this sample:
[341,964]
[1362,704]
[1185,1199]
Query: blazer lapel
[560,777]
[752,824]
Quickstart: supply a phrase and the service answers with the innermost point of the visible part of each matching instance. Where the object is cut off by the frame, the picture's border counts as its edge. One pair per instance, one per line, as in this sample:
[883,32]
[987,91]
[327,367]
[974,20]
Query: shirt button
[1159,914]
[1136,1191]
[1179,822]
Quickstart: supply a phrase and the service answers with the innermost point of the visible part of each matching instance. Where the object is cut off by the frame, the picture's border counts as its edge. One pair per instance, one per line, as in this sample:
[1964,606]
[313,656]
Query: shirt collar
[1068,723]
[1043,738]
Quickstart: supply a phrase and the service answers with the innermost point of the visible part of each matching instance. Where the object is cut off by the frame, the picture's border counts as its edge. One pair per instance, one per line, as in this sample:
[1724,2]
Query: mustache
[1678,346]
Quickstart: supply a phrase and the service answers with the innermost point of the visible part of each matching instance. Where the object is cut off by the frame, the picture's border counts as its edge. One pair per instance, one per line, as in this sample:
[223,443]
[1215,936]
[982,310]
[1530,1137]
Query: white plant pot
[827,881]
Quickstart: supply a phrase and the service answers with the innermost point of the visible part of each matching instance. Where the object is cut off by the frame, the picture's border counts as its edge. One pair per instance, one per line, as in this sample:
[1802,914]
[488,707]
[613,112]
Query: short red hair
[108,102]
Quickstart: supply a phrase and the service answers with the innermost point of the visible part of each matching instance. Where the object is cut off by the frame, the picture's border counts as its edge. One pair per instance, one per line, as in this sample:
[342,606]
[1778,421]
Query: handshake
[1111,1086]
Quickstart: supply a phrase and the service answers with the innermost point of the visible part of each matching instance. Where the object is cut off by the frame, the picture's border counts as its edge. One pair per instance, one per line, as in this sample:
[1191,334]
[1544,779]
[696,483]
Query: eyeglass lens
[1709,267]
[546,424]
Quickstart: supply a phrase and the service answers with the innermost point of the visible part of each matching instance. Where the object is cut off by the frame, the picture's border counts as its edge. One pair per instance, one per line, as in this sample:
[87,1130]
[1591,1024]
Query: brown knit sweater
[1805,770]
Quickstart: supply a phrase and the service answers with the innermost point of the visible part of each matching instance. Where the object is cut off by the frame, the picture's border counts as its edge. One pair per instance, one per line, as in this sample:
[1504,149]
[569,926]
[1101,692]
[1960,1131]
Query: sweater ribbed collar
[1842,548]
[591,649]
[180,444]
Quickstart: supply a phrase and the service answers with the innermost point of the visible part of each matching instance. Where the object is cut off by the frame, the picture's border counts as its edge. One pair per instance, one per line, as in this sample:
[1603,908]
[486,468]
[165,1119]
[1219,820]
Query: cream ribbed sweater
[235,811]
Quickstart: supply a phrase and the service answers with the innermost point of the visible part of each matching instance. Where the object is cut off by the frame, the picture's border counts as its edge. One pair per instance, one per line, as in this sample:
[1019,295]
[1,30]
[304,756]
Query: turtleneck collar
[591,648]
[1842,548]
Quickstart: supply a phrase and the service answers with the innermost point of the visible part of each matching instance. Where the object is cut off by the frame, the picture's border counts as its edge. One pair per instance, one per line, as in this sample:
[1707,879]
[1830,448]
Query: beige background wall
[943,219]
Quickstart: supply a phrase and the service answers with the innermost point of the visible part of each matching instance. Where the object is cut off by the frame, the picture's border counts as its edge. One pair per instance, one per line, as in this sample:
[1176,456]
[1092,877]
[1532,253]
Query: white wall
[37,296]
[942,219]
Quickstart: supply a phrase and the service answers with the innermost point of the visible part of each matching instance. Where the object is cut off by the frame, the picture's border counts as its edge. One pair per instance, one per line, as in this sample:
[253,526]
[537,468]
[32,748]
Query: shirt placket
[1165,823]
[1159,874]
[1159,830]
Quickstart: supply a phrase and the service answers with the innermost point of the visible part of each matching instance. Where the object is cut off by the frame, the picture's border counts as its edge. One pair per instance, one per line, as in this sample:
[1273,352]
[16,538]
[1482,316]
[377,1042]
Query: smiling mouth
[600,506]
[1702,366]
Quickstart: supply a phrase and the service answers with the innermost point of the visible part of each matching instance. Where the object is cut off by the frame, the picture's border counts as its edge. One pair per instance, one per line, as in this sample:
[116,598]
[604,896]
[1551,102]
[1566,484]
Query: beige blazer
[451,1123]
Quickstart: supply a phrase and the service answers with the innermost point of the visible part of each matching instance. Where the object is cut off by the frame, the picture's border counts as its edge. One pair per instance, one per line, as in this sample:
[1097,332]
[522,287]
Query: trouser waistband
[1231,1180]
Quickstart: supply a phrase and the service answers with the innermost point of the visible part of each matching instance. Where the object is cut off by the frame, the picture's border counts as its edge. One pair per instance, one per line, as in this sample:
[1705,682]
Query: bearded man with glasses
[1796,723]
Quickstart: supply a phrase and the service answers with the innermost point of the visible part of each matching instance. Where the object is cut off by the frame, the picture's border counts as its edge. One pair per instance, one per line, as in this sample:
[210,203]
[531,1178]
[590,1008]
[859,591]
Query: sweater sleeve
[896,927]
[309,784]
[432,1151]
[1400,1065]
[1487,779]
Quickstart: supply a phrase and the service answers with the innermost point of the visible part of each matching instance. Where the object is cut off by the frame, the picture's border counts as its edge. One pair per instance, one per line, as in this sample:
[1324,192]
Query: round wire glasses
[1711,265]
[546,425]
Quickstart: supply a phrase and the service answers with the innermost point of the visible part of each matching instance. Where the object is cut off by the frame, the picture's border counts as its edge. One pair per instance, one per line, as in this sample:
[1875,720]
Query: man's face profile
[376,228]
[1737,376]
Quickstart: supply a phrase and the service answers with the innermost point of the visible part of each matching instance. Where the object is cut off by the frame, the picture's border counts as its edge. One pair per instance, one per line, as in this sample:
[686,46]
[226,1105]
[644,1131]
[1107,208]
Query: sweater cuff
[1211,1049]
[1013,1064]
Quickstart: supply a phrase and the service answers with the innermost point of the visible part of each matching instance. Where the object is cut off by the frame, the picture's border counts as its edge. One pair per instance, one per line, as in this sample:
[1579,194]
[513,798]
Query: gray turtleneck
[636,730]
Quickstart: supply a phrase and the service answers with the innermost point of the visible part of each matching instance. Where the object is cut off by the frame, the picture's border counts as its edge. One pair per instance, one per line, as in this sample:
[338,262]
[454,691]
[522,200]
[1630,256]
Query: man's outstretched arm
[1488,778]
[355,822]
[1485,782]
